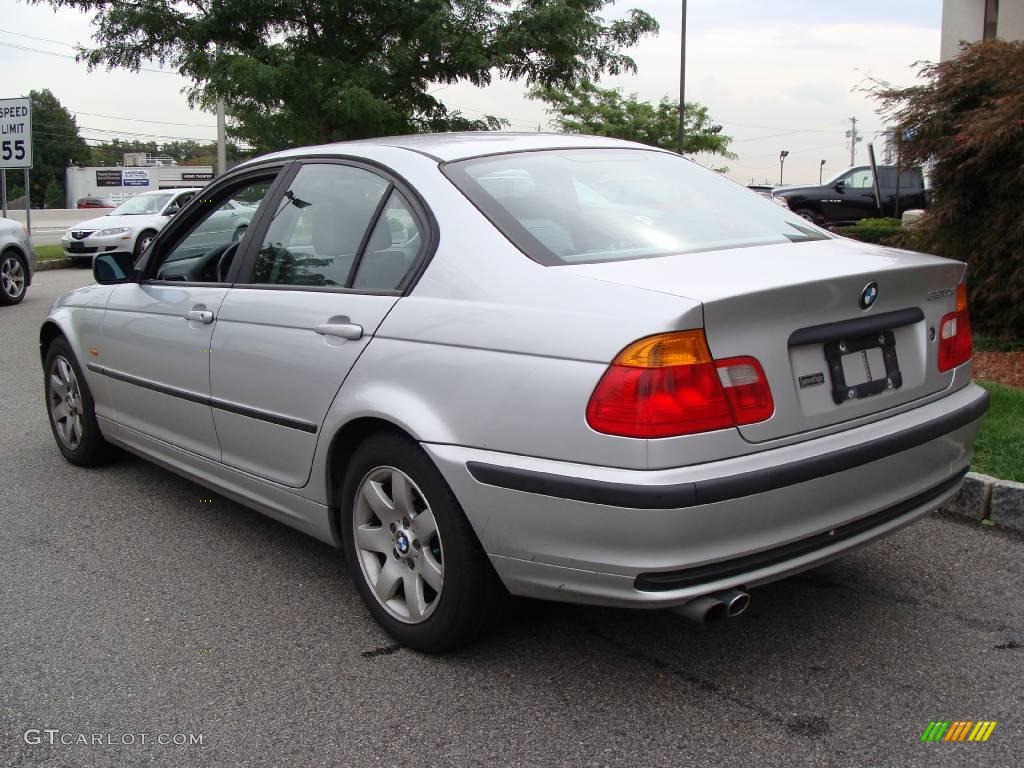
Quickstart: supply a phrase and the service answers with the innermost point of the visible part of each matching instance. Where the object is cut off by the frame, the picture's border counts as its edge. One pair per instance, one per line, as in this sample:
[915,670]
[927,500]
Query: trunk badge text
[940,293]
[812,380]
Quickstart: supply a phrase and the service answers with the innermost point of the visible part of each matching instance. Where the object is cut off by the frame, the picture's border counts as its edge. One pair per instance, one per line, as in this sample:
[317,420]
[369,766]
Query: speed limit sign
[16,133]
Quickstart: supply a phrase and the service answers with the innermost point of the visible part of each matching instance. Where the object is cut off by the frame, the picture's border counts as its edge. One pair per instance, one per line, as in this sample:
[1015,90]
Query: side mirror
[840,186]
[171,211]
[112,268]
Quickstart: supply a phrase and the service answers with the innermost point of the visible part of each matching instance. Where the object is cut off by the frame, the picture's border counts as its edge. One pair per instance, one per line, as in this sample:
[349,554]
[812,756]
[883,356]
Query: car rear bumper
[659,538]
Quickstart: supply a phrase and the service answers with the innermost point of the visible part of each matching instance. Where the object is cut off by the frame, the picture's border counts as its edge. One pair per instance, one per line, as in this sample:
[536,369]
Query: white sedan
[133,225]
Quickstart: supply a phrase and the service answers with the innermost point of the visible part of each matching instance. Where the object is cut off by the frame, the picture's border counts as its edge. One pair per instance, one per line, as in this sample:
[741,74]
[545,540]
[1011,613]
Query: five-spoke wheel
[13,278]
[65,400]
[410,549]
[70,407]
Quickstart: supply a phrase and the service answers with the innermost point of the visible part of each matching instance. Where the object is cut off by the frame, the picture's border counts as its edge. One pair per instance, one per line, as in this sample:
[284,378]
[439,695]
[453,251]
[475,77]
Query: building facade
[115,185]
[972,20]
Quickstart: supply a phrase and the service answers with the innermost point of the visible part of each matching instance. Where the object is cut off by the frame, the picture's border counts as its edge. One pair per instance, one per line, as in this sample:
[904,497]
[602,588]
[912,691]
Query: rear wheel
[13,278]
[412,553]
[70,407]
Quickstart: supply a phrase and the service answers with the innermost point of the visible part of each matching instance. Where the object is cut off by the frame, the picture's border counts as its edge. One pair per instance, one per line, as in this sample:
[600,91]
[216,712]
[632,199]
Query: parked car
[17,261]
[850,196]
[93,202]
[133,224]
[458,360]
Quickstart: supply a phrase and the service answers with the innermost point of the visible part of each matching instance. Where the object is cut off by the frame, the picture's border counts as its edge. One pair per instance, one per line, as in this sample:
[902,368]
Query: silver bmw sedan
[561,367]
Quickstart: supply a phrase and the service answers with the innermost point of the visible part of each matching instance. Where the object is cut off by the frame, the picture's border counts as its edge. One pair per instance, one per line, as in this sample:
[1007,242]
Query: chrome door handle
[200,315]
[349,331]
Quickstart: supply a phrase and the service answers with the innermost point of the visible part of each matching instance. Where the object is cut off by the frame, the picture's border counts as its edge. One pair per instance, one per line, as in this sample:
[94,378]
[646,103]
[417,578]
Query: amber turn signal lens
[666,350]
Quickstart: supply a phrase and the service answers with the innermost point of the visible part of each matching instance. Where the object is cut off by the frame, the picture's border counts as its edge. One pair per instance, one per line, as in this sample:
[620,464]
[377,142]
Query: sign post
[16,146]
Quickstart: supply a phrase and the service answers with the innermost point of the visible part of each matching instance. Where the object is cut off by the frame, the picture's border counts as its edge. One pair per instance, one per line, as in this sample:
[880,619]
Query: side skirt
[274,501]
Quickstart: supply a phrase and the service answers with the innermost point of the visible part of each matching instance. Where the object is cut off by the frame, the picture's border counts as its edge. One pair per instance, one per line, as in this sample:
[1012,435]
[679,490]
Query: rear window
[586,205]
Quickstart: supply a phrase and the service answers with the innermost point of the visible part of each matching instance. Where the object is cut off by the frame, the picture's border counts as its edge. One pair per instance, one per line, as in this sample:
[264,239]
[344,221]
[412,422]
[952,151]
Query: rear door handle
[349,331]
[200,315]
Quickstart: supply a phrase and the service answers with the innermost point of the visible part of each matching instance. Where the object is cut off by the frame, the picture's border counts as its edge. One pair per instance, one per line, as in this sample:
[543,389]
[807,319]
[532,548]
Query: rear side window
[392,248]
[588,205]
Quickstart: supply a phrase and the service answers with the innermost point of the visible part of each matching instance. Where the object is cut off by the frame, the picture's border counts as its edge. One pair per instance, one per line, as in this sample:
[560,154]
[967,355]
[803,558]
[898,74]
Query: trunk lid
[797,308]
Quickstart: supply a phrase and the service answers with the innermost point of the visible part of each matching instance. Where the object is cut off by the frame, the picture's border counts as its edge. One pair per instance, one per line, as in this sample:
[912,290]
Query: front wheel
[142,243]
[410,549]
[70,407]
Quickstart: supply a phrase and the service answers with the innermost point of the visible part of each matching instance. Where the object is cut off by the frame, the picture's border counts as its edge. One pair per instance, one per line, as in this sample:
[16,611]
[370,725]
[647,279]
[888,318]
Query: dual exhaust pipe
[729,603]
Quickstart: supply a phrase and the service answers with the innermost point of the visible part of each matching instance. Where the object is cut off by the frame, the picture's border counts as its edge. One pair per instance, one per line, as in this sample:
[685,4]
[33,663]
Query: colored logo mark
[958,730]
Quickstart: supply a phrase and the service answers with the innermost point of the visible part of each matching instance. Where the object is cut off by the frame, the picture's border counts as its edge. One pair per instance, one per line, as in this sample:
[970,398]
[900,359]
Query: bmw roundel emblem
[868,295]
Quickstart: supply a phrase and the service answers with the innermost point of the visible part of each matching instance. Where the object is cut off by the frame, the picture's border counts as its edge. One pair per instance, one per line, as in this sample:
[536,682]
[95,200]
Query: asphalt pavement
[135,606]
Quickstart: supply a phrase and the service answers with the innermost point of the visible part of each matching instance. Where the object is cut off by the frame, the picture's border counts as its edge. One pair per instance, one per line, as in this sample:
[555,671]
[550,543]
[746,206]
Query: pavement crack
[810,727]
[385,650]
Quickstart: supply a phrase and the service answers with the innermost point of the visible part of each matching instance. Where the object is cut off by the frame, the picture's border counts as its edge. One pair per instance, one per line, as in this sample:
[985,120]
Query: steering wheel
[224,262]
[215,263]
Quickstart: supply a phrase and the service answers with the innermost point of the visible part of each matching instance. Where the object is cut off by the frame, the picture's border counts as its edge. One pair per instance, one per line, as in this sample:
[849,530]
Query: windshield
[587,205]
[141,204]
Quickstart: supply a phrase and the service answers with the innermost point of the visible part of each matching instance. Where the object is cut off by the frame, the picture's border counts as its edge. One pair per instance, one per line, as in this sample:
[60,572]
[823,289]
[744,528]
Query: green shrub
[871,230]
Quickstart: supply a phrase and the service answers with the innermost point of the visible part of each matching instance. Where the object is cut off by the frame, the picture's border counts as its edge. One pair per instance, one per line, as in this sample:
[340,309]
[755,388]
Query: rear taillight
[955,345]
[669,385]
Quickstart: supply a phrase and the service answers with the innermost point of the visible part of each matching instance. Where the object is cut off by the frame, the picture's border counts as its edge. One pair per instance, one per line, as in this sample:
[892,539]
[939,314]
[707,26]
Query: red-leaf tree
[967,120]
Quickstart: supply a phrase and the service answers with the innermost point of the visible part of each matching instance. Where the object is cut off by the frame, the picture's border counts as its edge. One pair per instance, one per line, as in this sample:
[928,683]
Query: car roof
[446,147]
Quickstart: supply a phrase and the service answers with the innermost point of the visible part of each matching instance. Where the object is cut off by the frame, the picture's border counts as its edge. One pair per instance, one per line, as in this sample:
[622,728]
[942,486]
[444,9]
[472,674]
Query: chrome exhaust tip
[702,609]
[719,605]
[736,602]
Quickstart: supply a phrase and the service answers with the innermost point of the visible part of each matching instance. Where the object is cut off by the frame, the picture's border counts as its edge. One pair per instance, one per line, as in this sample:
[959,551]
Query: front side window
[319,227]
[589,205]
[859,179]
[205,253]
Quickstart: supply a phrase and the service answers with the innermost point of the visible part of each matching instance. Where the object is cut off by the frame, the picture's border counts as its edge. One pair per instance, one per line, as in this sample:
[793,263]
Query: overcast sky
[777,74]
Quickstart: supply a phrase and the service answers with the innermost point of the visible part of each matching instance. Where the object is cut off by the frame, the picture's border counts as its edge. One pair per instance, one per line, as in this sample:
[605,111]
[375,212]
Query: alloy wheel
[398,545]
[12,277]
[65,400]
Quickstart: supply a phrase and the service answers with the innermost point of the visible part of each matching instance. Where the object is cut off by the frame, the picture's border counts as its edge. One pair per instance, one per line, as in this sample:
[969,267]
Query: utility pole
[854,137]
[222,151]
[682,83]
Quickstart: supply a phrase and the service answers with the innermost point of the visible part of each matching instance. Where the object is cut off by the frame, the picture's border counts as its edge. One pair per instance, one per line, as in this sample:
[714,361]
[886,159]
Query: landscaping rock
[1007,507]
[972,500]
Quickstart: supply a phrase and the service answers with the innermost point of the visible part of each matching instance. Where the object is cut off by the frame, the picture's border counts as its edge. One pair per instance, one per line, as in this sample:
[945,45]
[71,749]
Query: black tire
[142,242]
[91,449]
[811,216]
[13,278]
[471,593]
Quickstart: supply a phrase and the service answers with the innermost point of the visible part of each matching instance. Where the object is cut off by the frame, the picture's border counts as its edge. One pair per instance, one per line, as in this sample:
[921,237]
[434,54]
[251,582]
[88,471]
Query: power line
[75,58]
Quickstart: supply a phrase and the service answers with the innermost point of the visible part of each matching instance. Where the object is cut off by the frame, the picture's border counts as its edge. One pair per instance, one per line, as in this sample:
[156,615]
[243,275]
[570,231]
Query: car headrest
[339,225]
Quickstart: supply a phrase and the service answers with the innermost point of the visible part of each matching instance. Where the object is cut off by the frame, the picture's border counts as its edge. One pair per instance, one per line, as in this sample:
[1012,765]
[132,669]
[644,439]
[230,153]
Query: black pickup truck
[850,197]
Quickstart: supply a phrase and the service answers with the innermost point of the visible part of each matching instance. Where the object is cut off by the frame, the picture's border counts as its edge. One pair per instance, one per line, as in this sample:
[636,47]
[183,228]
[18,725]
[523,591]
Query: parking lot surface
[133,602]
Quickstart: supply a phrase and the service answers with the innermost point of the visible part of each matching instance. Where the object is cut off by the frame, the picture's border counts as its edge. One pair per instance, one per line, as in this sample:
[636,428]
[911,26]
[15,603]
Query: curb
[987,499]
[43,266]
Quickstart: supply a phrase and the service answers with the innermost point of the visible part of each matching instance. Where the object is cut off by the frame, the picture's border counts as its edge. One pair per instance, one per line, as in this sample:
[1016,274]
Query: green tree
[53,195]
[308,71]
[606,112]
[55,145]
[967,120]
